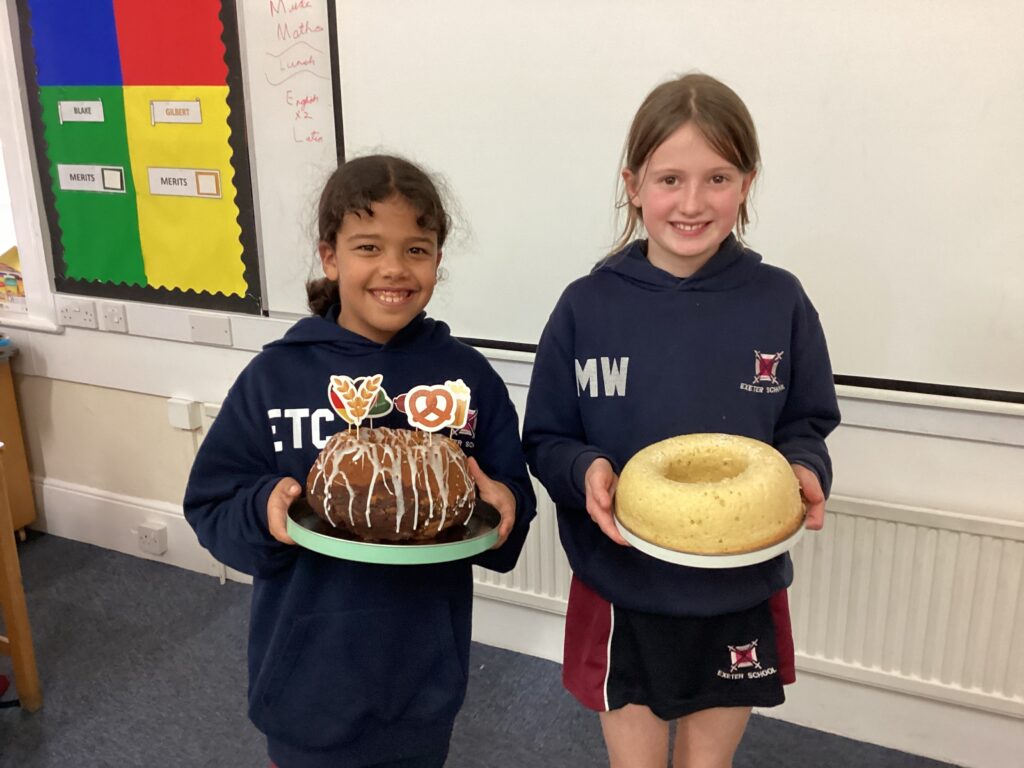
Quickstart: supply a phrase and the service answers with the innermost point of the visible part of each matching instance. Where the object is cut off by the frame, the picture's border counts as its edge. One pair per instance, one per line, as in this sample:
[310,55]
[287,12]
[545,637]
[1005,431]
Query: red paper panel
[170,43]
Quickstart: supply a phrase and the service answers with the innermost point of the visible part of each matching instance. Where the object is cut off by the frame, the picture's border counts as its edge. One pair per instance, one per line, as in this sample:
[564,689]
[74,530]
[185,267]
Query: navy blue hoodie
[349,663]
[632,355]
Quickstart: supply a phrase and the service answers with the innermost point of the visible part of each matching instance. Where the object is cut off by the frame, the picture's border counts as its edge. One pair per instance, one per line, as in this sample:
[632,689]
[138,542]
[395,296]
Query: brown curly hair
[354,187]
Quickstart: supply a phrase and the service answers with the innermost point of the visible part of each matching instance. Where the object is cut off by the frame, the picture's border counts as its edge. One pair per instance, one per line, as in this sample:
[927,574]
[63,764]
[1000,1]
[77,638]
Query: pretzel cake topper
[356,399]
[432,407]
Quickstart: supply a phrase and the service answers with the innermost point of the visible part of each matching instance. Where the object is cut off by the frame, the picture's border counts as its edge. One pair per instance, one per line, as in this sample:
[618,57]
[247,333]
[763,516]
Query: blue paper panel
[75,42]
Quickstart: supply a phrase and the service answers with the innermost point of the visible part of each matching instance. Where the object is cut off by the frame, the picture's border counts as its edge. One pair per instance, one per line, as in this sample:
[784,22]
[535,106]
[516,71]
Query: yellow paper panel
[188,242]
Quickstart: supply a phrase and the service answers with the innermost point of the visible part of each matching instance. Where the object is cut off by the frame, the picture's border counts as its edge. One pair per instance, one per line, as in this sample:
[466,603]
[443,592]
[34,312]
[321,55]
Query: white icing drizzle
[415,489]
[388,451]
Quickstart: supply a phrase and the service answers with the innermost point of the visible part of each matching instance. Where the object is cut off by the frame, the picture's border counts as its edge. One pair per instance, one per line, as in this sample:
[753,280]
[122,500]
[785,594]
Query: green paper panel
[99,230]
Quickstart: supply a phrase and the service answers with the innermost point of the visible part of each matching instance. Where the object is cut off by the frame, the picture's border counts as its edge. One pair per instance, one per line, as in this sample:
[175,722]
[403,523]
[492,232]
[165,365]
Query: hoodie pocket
[342,675]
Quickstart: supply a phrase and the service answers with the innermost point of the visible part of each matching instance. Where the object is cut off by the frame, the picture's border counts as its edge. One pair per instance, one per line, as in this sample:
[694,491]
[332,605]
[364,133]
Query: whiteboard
[891,139]
[291,115]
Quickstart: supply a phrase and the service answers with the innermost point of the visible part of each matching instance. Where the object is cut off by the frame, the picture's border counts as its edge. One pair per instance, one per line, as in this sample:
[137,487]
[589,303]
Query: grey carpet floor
[143,664]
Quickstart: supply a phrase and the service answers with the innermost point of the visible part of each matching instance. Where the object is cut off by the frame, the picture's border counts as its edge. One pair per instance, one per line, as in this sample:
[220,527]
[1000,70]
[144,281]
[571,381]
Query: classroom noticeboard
[139,127]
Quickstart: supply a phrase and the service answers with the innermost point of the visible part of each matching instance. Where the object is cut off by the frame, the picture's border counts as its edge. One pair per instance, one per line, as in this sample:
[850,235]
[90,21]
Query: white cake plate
[709,561]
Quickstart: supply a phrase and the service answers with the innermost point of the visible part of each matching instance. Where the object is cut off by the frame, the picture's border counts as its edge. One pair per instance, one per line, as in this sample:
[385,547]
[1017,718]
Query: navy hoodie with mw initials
[632,355]
[349,663]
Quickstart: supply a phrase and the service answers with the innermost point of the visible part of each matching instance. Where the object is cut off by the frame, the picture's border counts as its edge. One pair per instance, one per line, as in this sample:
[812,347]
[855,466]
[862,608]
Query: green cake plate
[312,532]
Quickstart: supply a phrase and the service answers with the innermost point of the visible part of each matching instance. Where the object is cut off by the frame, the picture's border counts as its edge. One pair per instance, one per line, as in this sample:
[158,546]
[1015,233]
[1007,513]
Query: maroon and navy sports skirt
[676,665]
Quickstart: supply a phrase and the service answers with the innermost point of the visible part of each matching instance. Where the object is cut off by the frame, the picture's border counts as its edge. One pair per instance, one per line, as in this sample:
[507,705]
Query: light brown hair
[717,112]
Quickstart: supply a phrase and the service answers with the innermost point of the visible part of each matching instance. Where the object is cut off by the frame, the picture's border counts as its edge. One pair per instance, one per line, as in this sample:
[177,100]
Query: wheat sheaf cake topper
[357,399]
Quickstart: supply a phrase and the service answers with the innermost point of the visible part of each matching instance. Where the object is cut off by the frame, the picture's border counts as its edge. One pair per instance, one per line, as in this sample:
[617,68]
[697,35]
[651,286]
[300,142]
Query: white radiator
[915,600]
[541,578]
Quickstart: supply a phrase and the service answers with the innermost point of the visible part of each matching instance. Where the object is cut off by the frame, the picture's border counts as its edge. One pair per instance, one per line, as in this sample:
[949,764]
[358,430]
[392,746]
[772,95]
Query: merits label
[91,178]
[184,182]
[80,111]
[175,112]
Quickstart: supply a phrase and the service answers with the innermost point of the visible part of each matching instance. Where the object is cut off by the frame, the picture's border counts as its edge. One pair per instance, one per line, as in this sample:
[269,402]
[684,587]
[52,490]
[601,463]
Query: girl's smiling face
[385,265]
[689,197]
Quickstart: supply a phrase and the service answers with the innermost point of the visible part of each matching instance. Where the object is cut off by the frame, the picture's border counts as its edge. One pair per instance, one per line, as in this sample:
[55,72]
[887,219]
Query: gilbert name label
[175,112]
[80,111]
[91,178]
[184,182]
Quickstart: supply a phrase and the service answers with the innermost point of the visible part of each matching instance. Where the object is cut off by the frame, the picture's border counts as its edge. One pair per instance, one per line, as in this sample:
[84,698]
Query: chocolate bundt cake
[391,484]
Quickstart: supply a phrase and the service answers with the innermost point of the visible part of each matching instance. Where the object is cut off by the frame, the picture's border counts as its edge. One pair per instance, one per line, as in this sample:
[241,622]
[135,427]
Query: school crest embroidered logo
[765,367]
[746,664]
[743,657]
[766,374]
[469,430]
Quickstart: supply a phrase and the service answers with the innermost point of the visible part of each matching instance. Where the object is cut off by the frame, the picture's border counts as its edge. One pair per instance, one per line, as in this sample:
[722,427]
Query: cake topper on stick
[461,394]
[356,399]
[434,407]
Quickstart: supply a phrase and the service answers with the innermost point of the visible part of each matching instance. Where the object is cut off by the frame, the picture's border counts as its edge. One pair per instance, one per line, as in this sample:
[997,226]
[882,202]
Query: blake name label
[80,111]
[184,182]
[91,178]
[175,112]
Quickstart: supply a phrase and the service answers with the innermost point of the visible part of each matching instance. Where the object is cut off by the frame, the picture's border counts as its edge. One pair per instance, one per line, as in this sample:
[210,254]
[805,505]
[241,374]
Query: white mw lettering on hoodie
[613,374]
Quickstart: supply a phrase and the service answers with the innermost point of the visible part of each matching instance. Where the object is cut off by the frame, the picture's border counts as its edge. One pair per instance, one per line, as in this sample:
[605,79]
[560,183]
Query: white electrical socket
[184,414]
[112,317]
[152,538]
[80,313]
